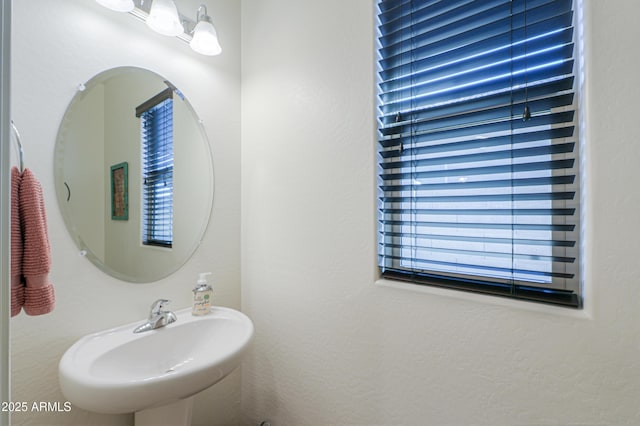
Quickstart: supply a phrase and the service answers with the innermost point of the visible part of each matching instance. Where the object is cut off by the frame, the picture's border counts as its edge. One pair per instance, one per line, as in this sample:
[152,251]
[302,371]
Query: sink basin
[117,371]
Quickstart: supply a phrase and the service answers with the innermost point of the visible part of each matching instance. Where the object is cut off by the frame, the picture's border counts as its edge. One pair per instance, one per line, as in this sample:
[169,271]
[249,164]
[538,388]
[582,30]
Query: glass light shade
[118,5]
[164,19]
[205,39]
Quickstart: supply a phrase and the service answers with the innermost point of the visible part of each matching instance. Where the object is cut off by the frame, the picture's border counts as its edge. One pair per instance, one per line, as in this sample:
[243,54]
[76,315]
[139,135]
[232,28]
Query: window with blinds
[478,149]
[156,120]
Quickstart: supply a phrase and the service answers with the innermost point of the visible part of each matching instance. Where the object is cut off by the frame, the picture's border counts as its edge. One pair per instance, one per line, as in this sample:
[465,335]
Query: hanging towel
[17,283]
[39,297]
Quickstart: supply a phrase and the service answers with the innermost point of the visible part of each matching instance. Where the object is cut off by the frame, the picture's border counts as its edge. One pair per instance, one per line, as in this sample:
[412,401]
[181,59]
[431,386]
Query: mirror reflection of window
[156,121]
[100,129]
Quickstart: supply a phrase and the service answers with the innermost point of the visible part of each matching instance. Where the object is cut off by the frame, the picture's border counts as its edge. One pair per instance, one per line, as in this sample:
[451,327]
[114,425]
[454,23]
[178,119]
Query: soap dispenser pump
[202,296]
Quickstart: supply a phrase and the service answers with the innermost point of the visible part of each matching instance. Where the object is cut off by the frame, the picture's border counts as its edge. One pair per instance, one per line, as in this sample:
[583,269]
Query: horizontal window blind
[478,153]
[157,169]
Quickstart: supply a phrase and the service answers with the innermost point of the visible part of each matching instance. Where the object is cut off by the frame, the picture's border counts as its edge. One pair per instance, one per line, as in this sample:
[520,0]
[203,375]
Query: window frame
[479,284]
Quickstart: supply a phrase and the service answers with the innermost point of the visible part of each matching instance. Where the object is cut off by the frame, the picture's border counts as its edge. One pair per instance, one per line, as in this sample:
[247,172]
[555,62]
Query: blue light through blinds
[157,174]
[471,194]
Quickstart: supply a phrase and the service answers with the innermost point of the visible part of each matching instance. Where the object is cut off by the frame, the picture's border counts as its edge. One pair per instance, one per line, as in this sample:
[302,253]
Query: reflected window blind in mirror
[477,148]
[156,117]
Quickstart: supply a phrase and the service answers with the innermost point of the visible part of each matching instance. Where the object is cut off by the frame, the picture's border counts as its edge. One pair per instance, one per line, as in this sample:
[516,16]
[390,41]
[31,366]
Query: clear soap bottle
[202,296]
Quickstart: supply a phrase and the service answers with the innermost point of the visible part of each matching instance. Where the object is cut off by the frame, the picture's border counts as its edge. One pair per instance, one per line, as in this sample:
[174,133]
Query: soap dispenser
[202,296]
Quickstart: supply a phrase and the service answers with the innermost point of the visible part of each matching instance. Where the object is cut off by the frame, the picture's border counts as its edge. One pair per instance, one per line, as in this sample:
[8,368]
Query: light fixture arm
[204,15]
[201,16]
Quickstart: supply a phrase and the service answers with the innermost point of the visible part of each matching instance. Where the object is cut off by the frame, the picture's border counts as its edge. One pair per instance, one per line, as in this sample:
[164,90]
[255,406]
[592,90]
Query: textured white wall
[333,348]
[56,46]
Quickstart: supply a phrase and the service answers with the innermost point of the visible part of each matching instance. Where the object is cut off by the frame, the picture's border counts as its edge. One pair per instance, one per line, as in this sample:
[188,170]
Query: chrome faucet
[157,317]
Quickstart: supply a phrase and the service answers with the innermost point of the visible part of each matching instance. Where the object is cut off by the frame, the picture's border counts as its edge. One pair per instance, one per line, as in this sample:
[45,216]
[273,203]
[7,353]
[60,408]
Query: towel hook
[20,150]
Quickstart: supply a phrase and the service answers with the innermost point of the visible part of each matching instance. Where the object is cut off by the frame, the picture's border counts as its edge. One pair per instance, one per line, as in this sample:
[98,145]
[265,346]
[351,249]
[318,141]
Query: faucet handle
[156,307]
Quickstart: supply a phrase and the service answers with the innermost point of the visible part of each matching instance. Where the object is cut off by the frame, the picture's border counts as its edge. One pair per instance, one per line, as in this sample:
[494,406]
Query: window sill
[581,314]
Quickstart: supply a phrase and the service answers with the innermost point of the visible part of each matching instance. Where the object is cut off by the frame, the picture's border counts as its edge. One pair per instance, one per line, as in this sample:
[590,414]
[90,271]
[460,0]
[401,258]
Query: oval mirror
[133,174]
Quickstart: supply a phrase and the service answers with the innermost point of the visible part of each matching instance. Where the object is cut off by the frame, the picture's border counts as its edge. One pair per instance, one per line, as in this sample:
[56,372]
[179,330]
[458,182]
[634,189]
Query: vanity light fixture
[163,17]
[205,37]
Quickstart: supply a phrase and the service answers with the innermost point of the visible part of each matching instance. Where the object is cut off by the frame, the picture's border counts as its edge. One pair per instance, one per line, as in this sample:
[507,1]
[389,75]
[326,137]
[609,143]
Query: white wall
[333,348]
[75,40]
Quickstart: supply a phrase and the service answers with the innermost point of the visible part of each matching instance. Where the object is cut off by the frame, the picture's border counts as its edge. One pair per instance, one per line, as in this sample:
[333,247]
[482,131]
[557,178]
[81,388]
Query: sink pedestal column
[174,414]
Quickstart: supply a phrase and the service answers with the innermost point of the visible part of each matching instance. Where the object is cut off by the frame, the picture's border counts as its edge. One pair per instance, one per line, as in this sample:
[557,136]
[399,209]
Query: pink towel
[17,283]
[39,297]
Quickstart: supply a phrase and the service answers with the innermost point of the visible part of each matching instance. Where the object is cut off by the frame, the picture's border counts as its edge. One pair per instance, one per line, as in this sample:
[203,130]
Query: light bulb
[164,19]
[118,5]
[205,38]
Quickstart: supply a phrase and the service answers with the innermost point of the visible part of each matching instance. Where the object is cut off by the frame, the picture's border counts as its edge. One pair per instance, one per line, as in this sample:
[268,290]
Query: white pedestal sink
[154,374]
